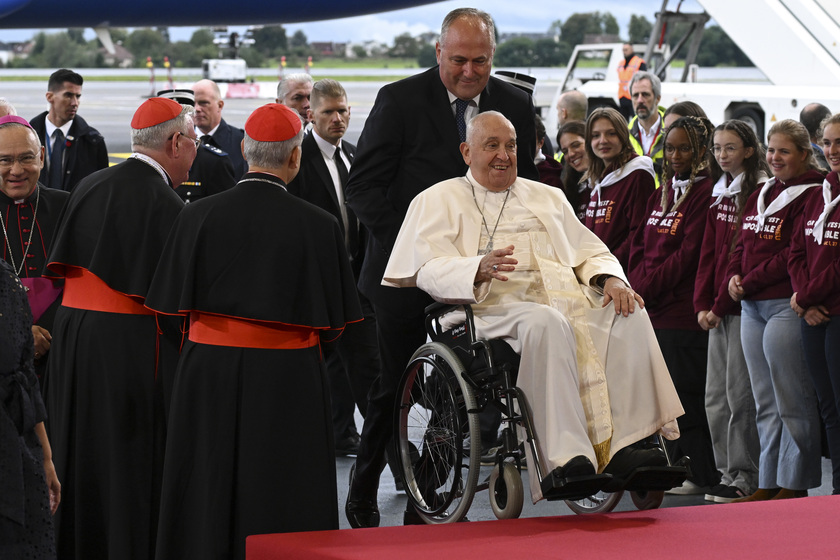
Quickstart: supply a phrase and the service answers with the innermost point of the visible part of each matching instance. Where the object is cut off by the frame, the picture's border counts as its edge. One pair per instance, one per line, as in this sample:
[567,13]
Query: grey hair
[477,16]
[10,109]
[270,155]
[155,137]
[476,122]
[284,86]
[655,83]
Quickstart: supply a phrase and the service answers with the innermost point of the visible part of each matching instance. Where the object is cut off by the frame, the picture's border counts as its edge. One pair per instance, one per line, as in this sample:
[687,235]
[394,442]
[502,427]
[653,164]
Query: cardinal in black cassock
[264,279]
[107,361]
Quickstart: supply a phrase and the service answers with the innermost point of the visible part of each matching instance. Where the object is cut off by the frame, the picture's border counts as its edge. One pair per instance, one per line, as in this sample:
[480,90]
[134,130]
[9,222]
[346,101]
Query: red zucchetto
[273,123]
[154,111]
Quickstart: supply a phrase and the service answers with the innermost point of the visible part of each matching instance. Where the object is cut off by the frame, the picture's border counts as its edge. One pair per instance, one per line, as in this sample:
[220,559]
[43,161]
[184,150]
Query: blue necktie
[460,110]
[56,158]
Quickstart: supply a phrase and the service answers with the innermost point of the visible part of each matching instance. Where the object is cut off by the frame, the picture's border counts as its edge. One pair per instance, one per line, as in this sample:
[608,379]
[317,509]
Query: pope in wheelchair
[591,369]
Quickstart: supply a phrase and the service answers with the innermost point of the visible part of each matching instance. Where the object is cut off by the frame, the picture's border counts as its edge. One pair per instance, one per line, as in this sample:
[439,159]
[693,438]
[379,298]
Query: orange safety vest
[625,74]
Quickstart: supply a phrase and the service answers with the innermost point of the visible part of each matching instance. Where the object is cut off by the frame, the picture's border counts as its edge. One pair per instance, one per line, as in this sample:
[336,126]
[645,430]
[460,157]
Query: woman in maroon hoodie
[571,141]
[663,267]
[621,182]
[730,407]
[786,407]
[814,268]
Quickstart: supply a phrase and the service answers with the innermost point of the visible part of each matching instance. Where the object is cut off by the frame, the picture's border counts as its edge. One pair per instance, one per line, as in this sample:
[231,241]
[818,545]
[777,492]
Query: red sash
[219,330]
[85,290]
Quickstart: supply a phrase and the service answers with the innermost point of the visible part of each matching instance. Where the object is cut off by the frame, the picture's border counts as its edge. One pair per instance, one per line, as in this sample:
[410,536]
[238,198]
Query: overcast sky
[510,16]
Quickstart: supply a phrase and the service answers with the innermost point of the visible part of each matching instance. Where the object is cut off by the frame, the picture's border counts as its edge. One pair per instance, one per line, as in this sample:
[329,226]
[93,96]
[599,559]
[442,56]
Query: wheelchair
[447,384]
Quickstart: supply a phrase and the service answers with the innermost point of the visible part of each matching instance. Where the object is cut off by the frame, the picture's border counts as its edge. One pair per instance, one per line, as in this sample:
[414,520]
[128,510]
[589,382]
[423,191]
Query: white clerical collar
[154,164]
[327,148]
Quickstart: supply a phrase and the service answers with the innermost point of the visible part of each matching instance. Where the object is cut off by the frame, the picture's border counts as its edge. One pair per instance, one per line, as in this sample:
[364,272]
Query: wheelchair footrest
[654,478]
[573,487]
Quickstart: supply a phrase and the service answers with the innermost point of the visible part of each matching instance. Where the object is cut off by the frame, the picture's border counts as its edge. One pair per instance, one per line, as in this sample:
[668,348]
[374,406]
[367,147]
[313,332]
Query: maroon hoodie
[664,256]
[761,257]
[815,268]
[622,209]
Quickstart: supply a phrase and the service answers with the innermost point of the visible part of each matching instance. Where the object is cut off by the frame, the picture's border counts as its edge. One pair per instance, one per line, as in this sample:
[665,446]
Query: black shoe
[575,480]
[360,512]
[348,446]
[635,468]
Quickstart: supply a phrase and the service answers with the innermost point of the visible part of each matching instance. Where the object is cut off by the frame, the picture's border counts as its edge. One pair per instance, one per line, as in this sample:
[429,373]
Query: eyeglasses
[684,149]
[26,160]
[729,150]
[195,141]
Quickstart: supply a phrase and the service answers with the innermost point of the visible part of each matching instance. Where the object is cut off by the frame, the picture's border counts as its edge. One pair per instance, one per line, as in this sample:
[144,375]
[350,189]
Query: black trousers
[686,355]
[399,335]
[352,367]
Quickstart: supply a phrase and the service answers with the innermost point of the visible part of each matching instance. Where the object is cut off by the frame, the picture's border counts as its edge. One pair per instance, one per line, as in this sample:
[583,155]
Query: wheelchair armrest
[437,310]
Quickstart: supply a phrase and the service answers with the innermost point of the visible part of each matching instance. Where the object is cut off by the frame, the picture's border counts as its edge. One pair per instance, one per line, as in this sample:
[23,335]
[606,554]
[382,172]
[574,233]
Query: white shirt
[649,136]
[49,130]
[328,152]
[472,108]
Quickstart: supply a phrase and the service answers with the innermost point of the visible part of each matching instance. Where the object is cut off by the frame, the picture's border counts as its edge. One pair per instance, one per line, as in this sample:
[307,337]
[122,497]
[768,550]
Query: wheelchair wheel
[648,499]
[600,502]
[506,494]
[432,425]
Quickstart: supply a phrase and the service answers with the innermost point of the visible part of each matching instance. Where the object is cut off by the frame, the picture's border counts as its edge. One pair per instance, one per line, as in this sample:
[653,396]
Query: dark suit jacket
[409,143]
[211,173]
[229,139]
[85,154]
[314,184]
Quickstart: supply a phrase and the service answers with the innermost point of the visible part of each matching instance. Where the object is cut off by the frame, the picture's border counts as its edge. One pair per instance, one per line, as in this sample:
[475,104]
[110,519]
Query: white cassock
[596,381]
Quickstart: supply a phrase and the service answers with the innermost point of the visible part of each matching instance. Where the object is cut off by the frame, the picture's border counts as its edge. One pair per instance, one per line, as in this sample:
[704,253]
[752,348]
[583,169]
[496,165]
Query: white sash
[785,197]
[722,191]
[819,225]
[640,162]
[680,186]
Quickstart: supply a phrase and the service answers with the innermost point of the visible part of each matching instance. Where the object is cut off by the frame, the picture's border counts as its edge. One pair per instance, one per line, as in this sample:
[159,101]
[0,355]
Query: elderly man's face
[465,59]
[21,160]
[491,153]
[298,99]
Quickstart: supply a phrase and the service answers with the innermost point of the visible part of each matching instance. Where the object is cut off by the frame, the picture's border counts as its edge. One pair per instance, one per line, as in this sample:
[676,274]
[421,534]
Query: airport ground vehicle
[794,44]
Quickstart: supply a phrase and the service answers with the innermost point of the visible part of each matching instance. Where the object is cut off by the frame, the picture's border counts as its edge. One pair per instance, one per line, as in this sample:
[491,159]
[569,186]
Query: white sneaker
[688,488]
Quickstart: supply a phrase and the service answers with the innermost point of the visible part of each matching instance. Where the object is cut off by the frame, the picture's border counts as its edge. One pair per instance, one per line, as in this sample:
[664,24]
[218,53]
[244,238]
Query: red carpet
[806,528]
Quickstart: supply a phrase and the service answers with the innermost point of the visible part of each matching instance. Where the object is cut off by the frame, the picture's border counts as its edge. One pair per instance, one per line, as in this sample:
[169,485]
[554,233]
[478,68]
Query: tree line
[70,49]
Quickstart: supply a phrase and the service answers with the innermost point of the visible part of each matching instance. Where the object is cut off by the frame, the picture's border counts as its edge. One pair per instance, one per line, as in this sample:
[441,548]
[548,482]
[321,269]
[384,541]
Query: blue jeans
[822,352]
[786,406]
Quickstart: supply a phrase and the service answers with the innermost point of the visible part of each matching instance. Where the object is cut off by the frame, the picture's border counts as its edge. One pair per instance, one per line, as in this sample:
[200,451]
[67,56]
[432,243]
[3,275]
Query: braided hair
[699,132]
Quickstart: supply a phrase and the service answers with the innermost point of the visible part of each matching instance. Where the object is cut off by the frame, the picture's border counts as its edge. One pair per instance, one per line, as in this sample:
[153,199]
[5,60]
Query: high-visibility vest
[625,74]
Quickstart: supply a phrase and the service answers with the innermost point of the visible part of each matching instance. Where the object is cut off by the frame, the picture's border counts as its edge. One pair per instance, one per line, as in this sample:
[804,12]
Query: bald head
[571,106]
[208,105]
